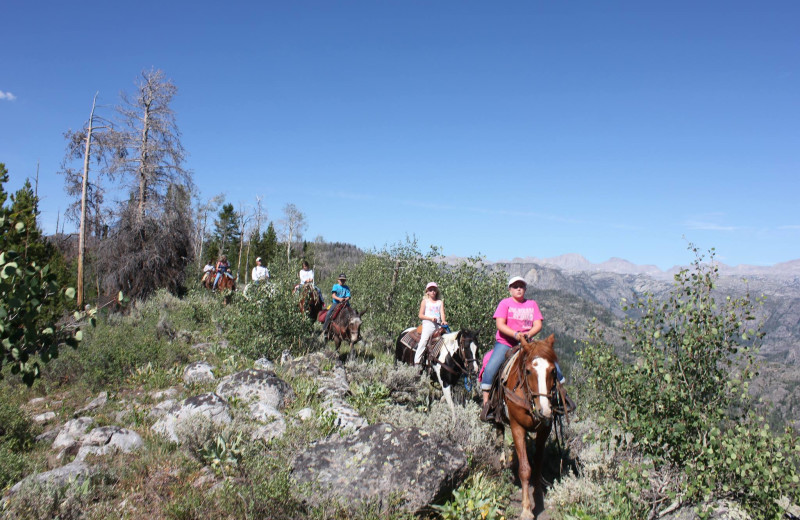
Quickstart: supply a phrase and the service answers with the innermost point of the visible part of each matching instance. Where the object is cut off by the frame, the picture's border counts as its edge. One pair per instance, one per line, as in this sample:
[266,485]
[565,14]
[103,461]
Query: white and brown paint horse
[529,391]
[456,356]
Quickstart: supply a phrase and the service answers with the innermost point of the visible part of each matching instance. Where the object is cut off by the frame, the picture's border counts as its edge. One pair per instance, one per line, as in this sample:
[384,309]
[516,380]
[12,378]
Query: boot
[487,413]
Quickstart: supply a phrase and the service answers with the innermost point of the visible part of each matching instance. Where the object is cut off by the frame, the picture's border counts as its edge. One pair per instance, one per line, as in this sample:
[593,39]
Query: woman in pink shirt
[515,317]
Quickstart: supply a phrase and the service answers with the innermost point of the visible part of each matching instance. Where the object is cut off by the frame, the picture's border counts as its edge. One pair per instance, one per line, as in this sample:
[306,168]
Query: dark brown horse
[310,301]
[530,393]
[345,326]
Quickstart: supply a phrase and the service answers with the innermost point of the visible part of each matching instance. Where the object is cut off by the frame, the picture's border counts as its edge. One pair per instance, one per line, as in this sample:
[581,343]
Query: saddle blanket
[411,339]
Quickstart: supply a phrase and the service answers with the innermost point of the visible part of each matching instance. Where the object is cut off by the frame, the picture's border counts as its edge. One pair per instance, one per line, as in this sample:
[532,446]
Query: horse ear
[551,340]
[363,312]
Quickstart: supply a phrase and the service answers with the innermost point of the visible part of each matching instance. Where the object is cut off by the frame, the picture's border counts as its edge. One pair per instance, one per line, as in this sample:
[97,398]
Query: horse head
[538,368]
[468,345]
[353,325]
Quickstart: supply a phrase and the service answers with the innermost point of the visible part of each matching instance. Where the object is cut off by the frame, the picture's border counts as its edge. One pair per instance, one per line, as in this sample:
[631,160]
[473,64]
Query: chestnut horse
[529,394]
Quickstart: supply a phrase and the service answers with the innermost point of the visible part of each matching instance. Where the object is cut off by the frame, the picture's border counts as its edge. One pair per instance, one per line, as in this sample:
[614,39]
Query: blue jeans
[498,356]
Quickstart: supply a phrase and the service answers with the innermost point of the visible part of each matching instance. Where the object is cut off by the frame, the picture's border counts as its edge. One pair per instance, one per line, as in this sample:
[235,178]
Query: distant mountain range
[574,262]
[572,290]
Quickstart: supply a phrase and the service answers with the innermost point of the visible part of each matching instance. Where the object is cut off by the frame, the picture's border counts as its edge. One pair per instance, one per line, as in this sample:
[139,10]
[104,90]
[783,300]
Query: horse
[226,283]
[530,394]
[453,357]
[345,326]
[310,302]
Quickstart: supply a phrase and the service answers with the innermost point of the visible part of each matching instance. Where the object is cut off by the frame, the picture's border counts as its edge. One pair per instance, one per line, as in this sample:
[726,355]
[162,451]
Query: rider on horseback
[515,317]
[340,294]
[307,276]
[223,268]
[207,271]
[259,272]
[431,312]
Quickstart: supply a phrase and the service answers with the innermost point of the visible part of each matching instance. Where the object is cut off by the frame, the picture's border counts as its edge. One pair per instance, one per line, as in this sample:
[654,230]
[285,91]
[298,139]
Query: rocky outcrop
[96,403]
[75,471]
[108,440]
[379,461]
[198,372]
[71,434]
[211,406]
[253,385]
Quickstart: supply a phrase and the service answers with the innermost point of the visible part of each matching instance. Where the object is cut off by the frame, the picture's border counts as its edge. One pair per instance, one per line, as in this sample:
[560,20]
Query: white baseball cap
[517,279]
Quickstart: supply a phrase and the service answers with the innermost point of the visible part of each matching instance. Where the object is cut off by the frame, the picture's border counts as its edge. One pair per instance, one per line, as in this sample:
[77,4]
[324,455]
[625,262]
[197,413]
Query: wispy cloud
[709,226]
[353,196]
[7,96]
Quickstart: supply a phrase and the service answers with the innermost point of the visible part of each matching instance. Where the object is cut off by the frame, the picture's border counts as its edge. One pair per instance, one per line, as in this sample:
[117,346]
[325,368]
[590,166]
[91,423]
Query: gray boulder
[71,434]
[75,471]
[211,406]
[109,439]
[198,372]
[44,418]
[97,402]
[257,385]
[264,364]
[378,461]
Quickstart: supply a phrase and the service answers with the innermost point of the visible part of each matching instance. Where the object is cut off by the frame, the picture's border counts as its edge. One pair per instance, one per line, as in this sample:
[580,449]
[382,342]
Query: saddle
[496,410]
[410,340]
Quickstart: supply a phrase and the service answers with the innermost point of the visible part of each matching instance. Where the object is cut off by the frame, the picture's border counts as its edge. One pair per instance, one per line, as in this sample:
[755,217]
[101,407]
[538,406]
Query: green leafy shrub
[267,326]
[16,440]
[391,282]
[479,498]
[681,391]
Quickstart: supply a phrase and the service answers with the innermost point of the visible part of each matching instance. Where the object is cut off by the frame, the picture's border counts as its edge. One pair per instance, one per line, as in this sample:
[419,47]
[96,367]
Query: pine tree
[226,231]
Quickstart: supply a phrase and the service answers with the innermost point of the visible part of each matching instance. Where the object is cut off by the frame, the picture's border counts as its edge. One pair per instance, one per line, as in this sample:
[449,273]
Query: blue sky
[513,129]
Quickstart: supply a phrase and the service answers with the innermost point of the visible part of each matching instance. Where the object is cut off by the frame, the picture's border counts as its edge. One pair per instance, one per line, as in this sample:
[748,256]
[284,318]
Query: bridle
[465,367]
[529,401]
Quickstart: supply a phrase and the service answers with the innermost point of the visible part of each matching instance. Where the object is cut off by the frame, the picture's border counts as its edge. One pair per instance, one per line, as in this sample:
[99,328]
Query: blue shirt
[342,291]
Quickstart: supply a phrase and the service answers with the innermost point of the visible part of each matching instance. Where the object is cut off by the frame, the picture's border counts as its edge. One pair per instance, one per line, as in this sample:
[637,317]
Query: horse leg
[542,433]
[519,433]
[446,390]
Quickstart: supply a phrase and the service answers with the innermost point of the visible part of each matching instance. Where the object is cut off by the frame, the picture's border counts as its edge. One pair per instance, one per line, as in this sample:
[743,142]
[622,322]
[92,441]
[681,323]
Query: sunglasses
[518,286]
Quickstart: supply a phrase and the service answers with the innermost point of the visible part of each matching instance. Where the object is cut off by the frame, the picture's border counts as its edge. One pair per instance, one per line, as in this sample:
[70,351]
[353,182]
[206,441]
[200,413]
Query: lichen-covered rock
[211,406]
[109,439]
[257,385]
[198,372]
[68,439]
[97,402]
[75,471]
[263,364]
[381,460]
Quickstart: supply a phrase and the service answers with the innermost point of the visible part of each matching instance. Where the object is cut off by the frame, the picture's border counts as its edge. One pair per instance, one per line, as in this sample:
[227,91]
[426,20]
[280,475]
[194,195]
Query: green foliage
[267,326]
[479,498]
[391,284]
[129,348]
[16,439]
[24,290]
[30,293]
[227,234]
[683,392]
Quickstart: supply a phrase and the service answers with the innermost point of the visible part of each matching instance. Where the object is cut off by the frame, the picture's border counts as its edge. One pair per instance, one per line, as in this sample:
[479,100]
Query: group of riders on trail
[517,320]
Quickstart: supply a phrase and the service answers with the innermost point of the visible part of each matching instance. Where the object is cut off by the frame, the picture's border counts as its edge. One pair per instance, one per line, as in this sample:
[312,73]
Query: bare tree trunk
[82,230]
[143,160]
